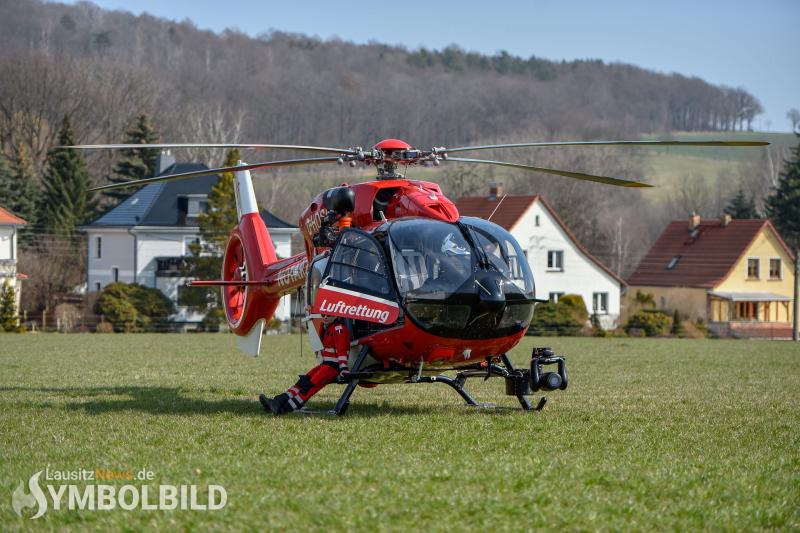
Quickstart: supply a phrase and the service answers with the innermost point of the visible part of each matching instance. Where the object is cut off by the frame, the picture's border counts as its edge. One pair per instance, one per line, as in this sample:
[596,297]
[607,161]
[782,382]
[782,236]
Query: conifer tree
[24,192]
[783,206]
[741,207]
[205,260]
[9,321]
[137,163]
[66,201]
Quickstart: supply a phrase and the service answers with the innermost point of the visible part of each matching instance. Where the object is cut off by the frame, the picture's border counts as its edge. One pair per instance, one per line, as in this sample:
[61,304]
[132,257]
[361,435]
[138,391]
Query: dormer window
[193,205]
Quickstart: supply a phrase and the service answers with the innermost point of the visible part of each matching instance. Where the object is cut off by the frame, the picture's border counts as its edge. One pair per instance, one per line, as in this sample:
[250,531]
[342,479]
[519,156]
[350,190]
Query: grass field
[651,434]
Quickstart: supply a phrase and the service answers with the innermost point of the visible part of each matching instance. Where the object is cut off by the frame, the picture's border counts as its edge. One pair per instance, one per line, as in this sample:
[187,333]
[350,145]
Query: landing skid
[519,382]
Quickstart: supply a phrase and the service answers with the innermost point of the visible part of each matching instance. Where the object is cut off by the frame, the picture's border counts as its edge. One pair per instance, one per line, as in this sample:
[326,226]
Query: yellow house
[736,275]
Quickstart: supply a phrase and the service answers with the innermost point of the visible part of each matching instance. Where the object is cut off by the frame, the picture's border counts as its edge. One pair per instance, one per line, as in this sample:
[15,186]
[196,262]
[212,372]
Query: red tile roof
[704,259]
[6,218]
[511,210]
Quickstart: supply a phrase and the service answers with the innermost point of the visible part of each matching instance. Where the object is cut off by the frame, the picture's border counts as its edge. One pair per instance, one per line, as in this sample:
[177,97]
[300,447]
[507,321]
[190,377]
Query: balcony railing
[170,267]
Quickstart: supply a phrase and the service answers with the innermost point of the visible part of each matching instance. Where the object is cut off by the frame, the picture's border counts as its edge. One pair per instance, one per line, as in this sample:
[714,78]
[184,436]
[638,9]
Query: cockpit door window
[358,263]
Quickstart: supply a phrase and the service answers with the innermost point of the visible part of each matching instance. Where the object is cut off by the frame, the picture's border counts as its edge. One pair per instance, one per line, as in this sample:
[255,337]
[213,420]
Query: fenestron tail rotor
[211,171]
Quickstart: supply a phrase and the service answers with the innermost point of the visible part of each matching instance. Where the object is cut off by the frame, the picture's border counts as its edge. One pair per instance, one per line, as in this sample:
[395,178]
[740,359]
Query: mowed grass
[651,434]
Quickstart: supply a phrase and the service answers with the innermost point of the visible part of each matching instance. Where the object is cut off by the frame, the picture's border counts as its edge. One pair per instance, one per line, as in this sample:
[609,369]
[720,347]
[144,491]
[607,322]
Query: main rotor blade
[211,171]
[322,149]
[576,175]
[611,143]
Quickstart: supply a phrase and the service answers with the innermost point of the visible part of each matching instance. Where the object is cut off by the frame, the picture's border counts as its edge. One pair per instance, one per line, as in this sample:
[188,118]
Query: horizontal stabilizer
[224,283]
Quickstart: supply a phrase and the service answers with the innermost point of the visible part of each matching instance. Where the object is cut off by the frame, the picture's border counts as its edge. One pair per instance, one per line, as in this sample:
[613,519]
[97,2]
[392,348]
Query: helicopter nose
[490,291]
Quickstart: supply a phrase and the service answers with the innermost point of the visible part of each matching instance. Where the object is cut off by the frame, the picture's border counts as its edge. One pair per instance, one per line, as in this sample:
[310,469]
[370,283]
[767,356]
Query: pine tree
[137,163]
[18,191]
[783,206]
[66,201]
[205,261]
[5,183]
[740,207]
[8,308]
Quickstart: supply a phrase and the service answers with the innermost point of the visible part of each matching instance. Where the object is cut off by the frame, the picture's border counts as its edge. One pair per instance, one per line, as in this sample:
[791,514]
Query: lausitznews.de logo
[95,494]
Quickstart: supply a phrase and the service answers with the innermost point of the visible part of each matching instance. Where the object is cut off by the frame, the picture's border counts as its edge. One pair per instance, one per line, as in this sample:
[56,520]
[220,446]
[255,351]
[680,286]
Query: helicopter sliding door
[356,282]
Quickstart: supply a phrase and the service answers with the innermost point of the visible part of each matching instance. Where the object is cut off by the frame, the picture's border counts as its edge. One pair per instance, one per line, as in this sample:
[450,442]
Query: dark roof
[271,221]
[512,209]
[704,259]
[9,219]
[157,204]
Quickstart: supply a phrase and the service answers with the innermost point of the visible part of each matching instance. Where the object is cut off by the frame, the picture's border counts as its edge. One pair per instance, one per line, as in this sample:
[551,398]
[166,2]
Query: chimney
[495,190]
[164,160]
[694,220]
[726,219]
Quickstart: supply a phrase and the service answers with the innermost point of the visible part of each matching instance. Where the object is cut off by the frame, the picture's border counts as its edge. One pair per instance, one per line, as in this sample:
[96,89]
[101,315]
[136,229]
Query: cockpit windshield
[431,259]
[503,253]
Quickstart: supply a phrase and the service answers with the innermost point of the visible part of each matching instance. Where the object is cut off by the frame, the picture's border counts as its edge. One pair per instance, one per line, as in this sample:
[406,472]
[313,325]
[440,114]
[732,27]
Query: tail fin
[245,195]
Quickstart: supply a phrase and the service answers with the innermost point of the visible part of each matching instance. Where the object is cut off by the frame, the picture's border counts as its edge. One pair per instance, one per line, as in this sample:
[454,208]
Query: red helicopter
[423,289]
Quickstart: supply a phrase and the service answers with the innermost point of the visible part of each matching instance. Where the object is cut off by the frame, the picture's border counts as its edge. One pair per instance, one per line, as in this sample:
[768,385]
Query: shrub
[576,307]
[133,307]
[554,319]
[651,323]
[213,320]
[104,327]
[597,329]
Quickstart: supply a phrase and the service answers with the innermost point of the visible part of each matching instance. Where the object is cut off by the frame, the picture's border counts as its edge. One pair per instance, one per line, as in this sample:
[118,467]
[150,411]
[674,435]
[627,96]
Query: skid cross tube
[455,384]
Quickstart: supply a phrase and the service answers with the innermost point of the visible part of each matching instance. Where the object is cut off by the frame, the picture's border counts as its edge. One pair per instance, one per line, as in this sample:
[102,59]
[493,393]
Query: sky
[734,42]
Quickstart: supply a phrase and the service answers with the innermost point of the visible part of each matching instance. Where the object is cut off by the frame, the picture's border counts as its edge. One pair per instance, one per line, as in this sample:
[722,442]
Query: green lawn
[651,434]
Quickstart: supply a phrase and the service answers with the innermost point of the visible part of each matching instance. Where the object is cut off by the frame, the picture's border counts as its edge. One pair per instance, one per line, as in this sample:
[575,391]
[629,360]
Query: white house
[560,264]
[144,238]
[9,227]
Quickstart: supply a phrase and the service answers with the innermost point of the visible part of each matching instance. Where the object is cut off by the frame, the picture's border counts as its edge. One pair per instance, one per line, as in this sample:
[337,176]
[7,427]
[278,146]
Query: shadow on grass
[155,400]
[172,400]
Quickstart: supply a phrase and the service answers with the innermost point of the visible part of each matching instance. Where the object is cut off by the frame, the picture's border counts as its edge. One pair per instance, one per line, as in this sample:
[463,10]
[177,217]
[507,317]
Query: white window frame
[758,266]
[780,269]
[554,296]
[556,254]
[595,306]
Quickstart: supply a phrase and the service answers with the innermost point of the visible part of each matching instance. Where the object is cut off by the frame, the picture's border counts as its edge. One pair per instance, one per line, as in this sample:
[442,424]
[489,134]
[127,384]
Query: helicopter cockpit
[468,279]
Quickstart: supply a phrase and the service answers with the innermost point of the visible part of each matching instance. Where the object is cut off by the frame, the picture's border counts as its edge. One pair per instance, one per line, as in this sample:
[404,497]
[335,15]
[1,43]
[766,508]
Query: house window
[600,303]
[554,296]
[115,274]
[99,247]
[746,310]
[555,260]
[536,221]
[752,268]
[188,242]
[97,286]
[775,268]
[673,262]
